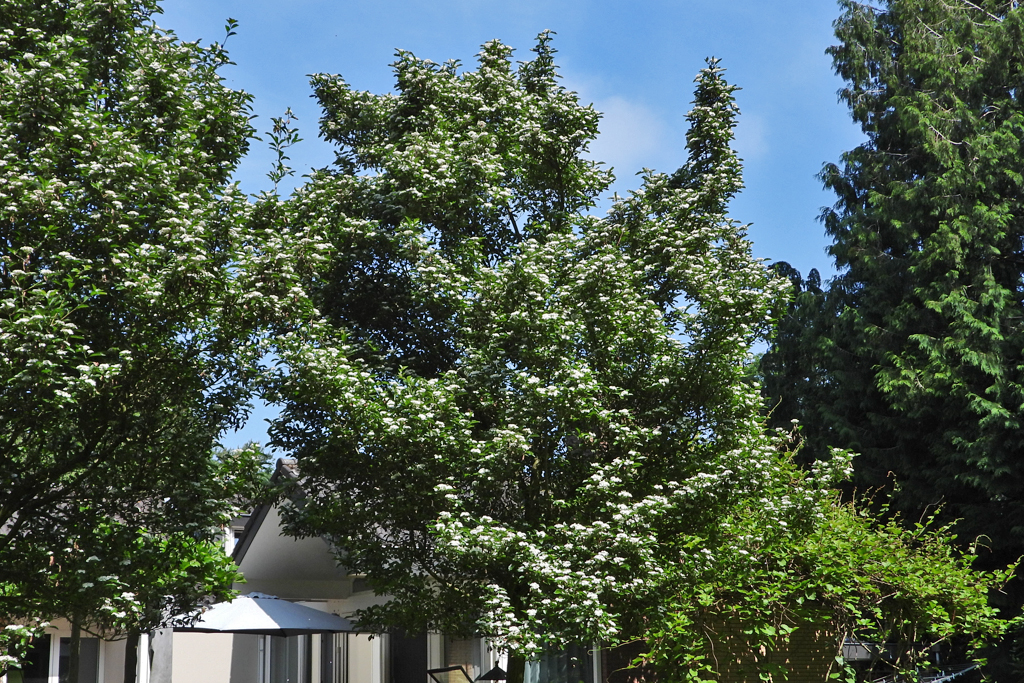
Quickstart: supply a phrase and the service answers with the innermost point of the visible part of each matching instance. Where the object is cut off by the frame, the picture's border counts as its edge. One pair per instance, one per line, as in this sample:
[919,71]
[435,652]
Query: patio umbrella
[266,615]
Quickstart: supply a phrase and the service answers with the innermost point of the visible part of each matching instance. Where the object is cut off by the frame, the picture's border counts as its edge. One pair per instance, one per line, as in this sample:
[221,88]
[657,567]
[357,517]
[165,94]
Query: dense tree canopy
[913,358]
[913,354]
[515,417]
[522,420]
[128,304]
[518,411]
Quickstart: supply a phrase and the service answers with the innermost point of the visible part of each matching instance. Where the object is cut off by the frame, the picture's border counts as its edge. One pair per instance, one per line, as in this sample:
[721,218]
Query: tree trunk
[76,649]
[131,657]
[516,669]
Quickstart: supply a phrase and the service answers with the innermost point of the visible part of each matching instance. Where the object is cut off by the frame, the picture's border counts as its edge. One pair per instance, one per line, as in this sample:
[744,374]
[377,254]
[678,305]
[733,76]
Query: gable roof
[282,565]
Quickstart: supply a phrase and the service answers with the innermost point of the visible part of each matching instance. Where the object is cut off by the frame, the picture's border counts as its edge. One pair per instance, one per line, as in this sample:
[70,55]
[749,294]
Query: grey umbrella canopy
[266,615]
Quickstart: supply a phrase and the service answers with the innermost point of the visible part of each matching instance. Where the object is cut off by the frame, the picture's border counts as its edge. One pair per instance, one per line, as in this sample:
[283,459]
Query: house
[306,571]
[299,570]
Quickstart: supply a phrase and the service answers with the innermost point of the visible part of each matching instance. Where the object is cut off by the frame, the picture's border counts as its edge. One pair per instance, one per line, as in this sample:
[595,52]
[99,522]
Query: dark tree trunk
[516,669]
[76,649]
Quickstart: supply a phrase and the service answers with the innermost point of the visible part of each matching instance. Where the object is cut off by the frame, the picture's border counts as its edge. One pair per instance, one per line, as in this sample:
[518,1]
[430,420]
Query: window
[326,658]
[40,661]
[88,660]
[575,664]
[332,657]
[407,657]
[284,660]
[36,668]
[467,653]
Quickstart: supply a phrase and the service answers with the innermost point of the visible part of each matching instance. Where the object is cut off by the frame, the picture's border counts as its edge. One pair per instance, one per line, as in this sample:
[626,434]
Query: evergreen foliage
[913,358]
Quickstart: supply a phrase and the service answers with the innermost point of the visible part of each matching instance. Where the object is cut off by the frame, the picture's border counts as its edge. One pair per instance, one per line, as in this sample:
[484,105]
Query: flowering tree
[516,415]
[521,420]
[130,300]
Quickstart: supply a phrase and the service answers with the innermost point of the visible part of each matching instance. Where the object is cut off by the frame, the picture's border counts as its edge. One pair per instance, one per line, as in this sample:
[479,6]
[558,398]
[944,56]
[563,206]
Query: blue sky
[634,61]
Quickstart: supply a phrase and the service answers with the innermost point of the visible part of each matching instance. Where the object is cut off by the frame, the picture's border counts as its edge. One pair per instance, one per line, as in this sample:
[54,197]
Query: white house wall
[302,570]
[291,568]
[205,658]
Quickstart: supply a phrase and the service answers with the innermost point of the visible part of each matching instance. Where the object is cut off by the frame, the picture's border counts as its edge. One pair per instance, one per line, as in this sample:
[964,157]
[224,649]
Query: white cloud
[632,136]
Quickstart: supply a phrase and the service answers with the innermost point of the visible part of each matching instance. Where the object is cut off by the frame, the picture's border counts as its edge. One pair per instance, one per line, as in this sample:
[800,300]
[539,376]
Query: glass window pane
[572,665]
[36,667]
[328,657]
[289,659]
[449,674]
[88,660]
[408,657]
[464,653]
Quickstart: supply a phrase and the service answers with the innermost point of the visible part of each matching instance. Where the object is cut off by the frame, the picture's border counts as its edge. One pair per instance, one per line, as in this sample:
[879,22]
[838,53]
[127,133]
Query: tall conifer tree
[915,356]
